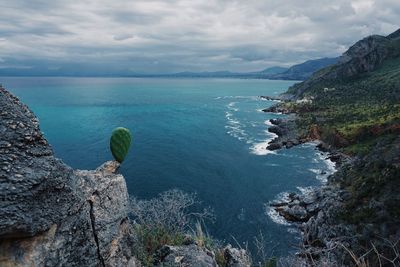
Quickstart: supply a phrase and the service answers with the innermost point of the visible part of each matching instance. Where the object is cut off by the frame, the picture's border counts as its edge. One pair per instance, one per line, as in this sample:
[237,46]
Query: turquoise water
[199,135]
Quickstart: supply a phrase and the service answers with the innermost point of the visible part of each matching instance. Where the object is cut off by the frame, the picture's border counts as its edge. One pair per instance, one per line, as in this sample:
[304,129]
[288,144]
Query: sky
[145,36]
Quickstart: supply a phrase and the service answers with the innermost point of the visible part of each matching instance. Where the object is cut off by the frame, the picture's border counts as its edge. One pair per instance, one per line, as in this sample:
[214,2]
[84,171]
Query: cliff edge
[50,214]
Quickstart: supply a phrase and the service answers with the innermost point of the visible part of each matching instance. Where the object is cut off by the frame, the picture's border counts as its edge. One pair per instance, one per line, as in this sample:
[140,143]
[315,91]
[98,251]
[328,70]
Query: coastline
[313,210]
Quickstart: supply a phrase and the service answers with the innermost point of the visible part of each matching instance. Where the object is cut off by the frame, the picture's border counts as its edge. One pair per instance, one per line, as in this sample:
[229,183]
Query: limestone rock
[50,214]
[236,257]
[185,256]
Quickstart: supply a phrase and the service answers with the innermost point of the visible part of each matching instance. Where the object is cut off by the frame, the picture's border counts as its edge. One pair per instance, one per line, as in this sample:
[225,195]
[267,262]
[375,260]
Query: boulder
[185,256]
[236,257]
[277,130]
[274,146]
[295,213]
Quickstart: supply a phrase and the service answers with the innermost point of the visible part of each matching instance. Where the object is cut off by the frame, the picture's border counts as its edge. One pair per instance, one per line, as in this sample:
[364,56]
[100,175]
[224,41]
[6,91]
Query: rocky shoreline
[270,98]
[288,135]
[314,211]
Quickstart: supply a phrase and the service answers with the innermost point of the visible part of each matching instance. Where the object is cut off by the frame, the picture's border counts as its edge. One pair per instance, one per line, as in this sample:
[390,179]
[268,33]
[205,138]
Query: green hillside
[355,107]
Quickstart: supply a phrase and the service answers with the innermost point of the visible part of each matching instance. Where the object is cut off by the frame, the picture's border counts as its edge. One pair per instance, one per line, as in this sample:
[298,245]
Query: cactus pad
[119,143]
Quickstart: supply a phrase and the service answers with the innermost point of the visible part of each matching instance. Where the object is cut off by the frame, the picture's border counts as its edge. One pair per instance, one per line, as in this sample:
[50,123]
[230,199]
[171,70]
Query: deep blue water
[198,135]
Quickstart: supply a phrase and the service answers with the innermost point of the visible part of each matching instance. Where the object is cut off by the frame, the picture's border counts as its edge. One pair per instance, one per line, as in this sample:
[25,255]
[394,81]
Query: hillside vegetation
[355,107]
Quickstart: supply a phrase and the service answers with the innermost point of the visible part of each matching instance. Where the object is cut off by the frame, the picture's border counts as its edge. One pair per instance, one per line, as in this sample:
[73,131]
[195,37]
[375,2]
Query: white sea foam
[273,100]
[306,190]
[310,144]
[321,174]
[234,126]
[316,171]
[268,122]
[294,230]
[260,148]
[331,166]
[276,217]
[272,164]
[231,106]
[237,132]
[240,97]
[329,169]
[273,214]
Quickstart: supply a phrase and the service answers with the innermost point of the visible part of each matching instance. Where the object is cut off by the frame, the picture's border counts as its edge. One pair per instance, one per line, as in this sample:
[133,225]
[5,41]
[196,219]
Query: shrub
[166,220]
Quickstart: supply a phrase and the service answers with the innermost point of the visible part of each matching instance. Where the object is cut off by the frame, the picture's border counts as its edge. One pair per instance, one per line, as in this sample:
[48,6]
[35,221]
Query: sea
[202,136]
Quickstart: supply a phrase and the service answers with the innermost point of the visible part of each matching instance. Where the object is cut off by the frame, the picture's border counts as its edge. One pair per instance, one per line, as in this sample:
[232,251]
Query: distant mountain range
[304,70]
[297,72]
[300,71]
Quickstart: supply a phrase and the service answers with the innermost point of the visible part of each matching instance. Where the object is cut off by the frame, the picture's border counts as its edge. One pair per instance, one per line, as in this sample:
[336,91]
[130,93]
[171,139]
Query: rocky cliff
[50,214]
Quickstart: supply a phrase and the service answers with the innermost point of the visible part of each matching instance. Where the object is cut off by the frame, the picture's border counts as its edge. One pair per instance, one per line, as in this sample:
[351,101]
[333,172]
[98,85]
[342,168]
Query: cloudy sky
[145,36]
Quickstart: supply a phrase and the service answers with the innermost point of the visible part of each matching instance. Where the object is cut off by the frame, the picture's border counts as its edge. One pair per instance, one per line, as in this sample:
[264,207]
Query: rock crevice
[96,238]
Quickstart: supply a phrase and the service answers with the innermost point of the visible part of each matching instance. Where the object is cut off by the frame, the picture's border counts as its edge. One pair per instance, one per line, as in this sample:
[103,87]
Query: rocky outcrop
[269,98]
[287,136]
[190,255]
[299,208]
[315,213]
[280,109]
[236,257]
[199,256]
[50,214]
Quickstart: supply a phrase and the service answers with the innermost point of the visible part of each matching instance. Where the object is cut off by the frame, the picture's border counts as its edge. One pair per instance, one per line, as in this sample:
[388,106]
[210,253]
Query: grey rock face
[195,256]
[287,135]
[236,257]
[32,180]
[50,214]
[315,214]
[185,256]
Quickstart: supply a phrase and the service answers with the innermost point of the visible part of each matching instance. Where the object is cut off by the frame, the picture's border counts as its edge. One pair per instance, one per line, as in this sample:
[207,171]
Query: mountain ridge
[363,57]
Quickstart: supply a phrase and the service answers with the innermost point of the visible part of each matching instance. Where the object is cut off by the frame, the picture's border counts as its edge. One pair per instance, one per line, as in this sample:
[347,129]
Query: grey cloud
[123,37]
[132,17]
[181,35]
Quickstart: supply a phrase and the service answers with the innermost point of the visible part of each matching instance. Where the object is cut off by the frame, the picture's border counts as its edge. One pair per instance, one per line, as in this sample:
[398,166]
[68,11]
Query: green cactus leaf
[120,142]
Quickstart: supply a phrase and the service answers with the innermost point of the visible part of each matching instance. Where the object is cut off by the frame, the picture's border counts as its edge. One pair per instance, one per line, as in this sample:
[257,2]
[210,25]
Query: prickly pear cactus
[120,142]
